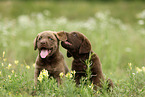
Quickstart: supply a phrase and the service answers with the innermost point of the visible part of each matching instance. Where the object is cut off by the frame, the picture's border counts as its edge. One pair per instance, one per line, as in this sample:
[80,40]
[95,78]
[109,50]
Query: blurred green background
[115,29]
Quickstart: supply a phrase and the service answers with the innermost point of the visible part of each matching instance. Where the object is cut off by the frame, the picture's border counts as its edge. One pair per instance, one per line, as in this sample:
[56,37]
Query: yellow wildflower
[0,73]
[45,73]
[138,69]
[34,65]
[41,74]
[2,64]
[3,54]
[91,86]
[69,75]
[73,72]
[61,74]
[10,93]
[9,76]
[9,66]
[13,71]
[40,79]
[28,67]
[98,92]
[143,68]
[129,64]
[16,62]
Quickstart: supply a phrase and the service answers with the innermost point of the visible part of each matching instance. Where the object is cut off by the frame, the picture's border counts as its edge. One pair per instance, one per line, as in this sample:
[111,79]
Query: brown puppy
[49,56]
[79,47]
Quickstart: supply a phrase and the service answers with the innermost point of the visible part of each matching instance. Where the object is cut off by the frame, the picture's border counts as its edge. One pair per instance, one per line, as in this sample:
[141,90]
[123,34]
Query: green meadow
[116,31]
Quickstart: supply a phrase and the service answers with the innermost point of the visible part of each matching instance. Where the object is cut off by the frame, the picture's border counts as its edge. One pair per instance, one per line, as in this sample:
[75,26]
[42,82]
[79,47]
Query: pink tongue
[44,53]
[67,43]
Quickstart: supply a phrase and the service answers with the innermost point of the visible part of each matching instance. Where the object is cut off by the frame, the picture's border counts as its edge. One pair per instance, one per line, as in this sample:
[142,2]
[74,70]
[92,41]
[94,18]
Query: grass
[16,80]
[116,36]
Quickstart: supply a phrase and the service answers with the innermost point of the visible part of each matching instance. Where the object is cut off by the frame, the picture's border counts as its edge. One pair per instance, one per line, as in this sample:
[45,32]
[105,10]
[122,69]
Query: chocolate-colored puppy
[79,47]
[49,56]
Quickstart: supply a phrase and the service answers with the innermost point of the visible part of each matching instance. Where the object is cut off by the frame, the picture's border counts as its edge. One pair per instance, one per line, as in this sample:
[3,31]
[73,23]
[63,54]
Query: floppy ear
[85,46]
[61,35]
[35,43]
[69,54]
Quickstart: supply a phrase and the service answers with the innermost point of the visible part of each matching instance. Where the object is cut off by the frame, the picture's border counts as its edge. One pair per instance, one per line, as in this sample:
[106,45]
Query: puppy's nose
[43,42]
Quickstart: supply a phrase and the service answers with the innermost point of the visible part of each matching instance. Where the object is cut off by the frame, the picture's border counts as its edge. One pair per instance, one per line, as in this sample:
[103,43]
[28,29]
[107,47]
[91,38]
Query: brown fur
[54,62]
[79,47]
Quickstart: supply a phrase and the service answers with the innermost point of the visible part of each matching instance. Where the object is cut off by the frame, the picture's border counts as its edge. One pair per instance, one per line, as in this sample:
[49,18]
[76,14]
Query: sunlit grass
[17,80]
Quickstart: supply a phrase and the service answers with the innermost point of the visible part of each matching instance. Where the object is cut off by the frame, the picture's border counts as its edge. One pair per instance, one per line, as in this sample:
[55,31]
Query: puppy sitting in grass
[49,56]
[79,47]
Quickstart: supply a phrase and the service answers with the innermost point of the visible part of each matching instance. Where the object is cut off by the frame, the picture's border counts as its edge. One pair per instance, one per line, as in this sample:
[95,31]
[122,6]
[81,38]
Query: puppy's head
[47,43]
[76,43]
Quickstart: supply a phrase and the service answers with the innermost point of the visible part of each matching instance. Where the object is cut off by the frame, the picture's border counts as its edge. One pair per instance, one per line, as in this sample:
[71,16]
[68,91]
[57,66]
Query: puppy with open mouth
[79,47]
[49,56]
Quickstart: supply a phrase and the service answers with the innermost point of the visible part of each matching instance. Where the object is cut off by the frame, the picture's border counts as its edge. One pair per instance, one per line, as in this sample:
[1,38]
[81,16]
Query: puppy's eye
[40,38]
[50,38]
